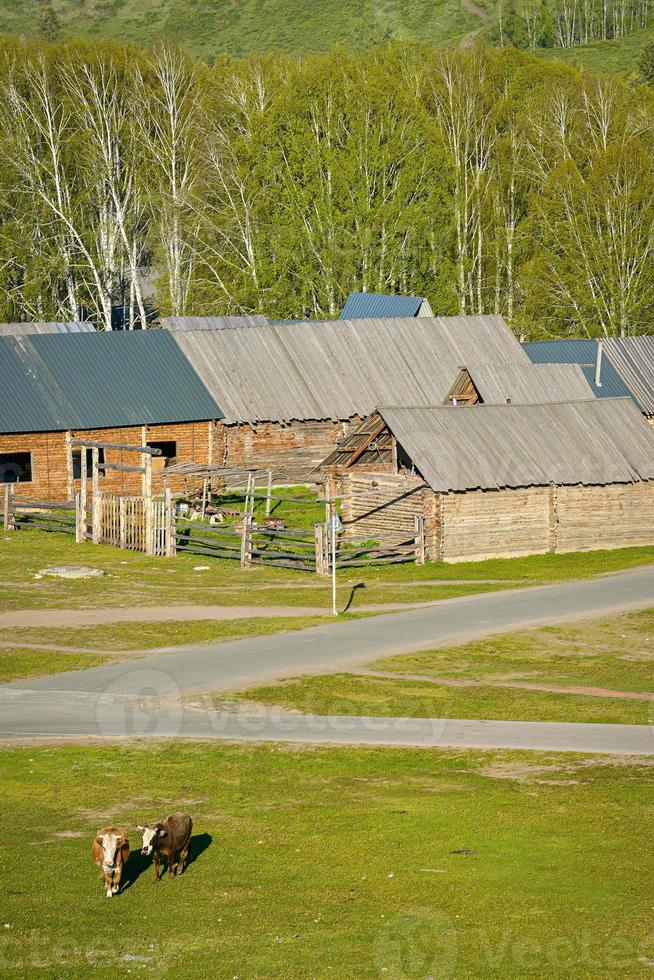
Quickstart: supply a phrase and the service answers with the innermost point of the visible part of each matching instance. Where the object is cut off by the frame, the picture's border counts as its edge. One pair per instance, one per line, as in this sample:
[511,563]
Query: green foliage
[646,62]
[490,181]
[49,25]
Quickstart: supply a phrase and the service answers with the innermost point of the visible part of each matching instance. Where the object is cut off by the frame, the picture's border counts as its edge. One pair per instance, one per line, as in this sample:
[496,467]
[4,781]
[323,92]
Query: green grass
[147,636]
[16,663]
[615,654]
[330,863]
[134,579]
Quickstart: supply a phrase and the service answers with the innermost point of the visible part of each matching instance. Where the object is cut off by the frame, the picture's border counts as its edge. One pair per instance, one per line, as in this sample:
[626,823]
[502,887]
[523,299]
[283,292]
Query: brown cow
[110,851]
[165,839]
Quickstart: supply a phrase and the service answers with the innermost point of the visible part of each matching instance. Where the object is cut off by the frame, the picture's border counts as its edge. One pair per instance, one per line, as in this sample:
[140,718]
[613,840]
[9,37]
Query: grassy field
[498,678]
[133,579]
[330,863]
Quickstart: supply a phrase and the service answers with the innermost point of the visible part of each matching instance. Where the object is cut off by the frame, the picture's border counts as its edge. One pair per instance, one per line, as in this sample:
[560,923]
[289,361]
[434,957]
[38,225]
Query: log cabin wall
[49,463]
[616,516]
[382,506]
[292,450]
[51,474]
[481,524]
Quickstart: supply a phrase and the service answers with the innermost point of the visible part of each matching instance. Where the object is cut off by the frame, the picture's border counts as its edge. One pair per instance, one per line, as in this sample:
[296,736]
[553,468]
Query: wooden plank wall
[382,507]
[495,524]
[617,516]
[291,450]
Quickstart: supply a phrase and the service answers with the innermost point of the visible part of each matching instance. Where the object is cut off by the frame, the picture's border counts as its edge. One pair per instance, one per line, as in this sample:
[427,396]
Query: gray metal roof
[335,369]
[529,383]
[366,305]
[175,323]
[584,353]
[98,380]
[27,329]
[494,446]
[633,358]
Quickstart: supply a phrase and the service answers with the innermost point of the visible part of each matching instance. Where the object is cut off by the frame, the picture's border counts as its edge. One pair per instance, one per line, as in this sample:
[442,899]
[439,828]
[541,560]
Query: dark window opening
[168,449]
[77,463]
[15,467]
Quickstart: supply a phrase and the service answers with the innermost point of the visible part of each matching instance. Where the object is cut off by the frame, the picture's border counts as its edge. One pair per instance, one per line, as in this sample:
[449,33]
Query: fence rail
[153,526]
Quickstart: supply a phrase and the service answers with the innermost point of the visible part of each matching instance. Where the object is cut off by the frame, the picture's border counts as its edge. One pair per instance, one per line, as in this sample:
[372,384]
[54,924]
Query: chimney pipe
[598,364]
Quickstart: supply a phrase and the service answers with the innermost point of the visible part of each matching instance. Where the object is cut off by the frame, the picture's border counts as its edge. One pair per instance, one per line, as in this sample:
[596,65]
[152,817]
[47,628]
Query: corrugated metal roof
[98,381]
[366,305]
[27,329]
[335,369]
[494,446]
[176,323]
[584,353]
[528,384]
[633,358]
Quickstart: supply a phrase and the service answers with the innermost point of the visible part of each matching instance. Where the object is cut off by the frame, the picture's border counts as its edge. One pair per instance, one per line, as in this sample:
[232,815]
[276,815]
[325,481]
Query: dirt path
[472,8]
[166,614]
[593,692]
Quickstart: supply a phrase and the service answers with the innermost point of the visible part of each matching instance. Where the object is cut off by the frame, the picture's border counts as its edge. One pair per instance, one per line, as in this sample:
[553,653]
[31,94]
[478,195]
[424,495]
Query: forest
[486,179]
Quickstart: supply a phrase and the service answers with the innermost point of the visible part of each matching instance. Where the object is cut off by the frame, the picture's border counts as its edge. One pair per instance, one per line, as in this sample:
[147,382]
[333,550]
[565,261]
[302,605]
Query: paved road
[57,715]
[143,697]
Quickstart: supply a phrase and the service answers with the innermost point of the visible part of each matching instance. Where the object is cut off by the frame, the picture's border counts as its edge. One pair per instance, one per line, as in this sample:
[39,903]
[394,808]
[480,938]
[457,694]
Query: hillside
[237,27]
[240,26]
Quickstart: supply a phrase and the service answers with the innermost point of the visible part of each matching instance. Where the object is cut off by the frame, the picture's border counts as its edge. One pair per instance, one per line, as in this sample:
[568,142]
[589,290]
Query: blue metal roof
[361,305]
[584,353]
[51,382]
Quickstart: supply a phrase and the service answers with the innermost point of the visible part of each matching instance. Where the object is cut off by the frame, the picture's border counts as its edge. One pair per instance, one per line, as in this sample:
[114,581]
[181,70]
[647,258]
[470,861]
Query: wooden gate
[134,523]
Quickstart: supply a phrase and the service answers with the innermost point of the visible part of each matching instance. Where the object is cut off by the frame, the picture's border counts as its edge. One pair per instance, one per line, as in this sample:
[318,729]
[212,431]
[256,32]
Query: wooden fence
[20,513]
[151,525]
[134,523]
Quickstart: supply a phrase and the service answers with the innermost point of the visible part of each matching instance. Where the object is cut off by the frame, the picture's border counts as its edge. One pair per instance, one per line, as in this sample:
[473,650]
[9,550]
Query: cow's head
[150,835]
[110,842]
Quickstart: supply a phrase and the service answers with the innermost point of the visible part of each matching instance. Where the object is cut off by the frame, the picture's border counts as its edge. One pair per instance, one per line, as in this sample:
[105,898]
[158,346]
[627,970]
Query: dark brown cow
[165,839]
[110,851]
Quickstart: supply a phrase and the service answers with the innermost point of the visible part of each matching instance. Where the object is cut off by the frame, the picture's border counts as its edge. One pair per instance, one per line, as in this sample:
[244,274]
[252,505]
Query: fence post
[122,523]
[10,507]
[170,524]
[246,533]
[420,539]
[269,493]
[320,549]
[97,502]
[79,526]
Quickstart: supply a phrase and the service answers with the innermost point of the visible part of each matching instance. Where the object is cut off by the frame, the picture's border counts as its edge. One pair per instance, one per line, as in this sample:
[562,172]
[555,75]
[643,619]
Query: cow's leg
[157,866]
[107,882]
[117,876]
[183,854]
[171,861]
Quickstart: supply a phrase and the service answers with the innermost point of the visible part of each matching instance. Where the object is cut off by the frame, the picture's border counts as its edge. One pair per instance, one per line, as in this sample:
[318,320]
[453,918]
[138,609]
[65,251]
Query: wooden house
[132,388]
[500,480]
[291,391]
